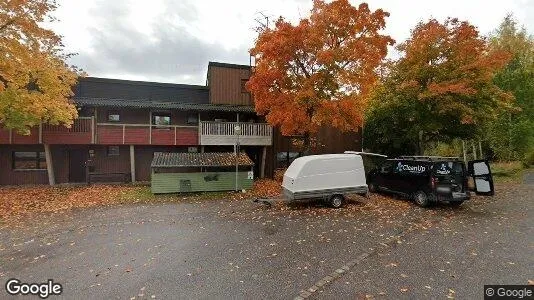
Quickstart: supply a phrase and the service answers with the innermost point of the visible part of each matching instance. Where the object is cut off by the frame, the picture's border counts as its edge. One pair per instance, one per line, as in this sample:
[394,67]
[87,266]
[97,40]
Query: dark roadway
[240,249]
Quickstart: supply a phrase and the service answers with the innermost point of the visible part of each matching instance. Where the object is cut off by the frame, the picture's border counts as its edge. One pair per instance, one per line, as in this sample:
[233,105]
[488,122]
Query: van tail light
[433,182]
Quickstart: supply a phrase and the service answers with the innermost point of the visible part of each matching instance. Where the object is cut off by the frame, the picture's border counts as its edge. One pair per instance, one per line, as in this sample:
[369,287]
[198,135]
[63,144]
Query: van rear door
[481,173]
[448,179]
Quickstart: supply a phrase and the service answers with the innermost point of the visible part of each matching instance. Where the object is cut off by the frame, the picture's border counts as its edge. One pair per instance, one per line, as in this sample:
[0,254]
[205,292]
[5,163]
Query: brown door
[77,159]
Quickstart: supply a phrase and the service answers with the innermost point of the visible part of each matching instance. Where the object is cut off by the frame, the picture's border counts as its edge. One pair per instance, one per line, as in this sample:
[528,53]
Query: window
[387,167]
[114,117]
[113,150]
[161,119]
[243,87]
[285,158]
[29,161]
[192,119]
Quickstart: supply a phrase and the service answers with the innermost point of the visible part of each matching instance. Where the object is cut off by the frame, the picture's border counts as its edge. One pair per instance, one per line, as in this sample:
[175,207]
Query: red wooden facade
[117,132]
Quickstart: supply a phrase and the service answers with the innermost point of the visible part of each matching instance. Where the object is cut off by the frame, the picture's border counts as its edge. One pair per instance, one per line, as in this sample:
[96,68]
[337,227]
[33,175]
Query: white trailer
[327,176]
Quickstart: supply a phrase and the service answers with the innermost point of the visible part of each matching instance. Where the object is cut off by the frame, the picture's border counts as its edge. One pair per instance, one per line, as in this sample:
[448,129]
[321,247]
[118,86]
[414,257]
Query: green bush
[528,160]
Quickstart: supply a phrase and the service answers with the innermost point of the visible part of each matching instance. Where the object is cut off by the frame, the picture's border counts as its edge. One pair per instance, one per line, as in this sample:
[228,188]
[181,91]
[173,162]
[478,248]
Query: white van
[327,176]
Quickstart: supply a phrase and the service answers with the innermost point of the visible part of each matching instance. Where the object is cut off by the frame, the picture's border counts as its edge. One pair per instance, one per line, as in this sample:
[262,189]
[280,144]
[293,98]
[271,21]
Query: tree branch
[8,23]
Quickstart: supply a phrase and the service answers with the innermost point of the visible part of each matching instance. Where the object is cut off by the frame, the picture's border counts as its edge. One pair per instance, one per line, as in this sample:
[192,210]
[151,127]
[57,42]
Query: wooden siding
[33,138]
[144,155]
[170,182]
[105,163]
[329,140]
[140,135]
[136,135]
[4,136]
[79,133]
[8,176]
[225,85]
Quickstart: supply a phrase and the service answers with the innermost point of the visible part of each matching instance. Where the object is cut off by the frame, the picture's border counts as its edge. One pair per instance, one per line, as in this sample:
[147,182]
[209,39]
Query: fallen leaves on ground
[20,203]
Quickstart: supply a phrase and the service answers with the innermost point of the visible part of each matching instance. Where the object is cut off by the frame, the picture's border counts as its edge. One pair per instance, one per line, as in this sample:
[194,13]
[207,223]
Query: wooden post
[10,136]
[465,152]
[40,132]
[263,157]
[123,133]
[150,128]
[95,132]
[474,150]
[132,162]
[49,165]
[93,124]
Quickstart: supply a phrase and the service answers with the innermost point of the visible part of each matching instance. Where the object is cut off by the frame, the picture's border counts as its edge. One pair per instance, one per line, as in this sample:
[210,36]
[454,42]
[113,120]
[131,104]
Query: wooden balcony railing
[81,132]
[223,133]
[85,130]
[146,134]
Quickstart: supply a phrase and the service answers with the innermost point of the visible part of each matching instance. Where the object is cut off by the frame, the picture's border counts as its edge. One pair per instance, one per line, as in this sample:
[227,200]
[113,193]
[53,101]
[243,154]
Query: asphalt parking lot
[372,248]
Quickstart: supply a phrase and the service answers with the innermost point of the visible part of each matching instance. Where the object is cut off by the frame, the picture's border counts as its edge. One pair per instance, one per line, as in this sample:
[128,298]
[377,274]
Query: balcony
[223,133]
[81,132]
[146,134]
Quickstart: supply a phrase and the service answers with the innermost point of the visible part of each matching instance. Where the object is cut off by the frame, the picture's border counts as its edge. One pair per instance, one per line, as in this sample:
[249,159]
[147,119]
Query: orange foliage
[320,71]
[449,65]
[35,81]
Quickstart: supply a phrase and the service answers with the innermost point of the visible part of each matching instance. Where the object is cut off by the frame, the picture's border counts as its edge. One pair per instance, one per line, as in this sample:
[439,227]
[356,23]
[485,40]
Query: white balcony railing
[223,133]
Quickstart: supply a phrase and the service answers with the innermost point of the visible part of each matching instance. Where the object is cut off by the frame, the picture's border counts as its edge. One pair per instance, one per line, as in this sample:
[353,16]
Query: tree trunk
[421,144]
[306,144]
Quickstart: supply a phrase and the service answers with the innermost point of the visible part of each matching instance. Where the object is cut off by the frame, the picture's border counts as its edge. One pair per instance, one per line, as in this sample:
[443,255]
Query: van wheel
[336,201]
[372,187]
[421,199]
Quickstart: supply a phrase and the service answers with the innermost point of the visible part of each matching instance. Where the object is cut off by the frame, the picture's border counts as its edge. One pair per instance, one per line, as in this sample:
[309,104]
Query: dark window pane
[114,117]
[29,160]
[113,150]
[192,119]
[161,120]
[26,155]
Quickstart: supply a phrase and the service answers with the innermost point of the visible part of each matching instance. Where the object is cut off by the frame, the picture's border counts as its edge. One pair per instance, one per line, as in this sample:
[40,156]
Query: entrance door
[77,159]
[481,173]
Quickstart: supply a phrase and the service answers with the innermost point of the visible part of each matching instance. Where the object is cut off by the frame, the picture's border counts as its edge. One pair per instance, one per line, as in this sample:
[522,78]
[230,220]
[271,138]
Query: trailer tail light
[433,182]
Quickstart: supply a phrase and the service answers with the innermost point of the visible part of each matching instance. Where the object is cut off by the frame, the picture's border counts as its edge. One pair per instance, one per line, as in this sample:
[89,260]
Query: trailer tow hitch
[263,201]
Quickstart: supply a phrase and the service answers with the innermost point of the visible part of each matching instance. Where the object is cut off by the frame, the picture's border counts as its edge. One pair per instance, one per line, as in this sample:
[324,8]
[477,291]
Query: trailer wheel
[336,201]
[421,199]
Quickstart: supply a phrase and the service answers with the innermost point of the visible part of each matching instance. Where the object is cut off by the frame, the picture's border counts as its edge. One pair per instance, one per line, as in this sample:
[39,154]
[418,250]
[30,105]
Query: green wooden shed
[200,172]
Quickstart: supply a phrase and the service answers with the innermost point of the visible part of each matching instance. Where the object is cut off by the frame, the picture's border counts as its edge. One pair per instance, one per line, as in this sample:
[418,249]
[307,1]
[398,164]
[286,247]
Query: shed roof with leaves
[210,159]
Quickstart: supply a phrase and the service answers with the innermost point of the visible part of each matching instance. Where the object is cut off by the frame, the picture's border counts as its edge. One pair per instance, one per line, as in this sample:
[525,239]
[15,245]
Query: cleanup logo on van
[413,169]
[443,170]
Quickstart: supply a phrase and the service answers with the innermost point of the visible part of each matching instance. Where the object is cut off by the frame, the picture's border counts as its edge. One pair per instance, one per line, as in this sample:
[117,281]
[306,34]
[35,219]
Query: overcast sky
[173,40]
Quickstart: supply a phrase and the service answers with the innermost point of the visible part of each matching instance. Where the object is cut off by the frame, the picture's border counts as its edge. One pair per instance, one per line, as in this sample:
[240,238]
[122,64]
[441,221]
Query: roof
[145,103]
[365,153]
[209,159]
[226,65]
[106,88]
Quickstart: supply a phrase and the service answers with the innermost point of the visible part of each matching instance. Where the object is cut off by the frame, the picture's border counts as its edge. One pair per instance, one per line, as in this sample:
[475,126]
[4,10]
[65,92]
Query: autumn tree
[35,82]
[319,71]
[511,136]
[440,88]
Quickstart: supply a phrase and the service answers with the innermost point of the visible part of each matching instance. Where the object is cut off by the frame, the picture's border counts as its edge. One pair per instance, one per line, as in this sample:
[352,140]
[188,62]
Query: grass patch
[507,172]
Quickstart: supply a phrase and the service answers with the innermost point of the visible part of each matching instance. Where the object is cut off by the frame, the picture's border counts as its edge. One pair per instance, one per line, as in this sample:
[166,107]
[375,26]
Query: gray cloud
[170,54]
